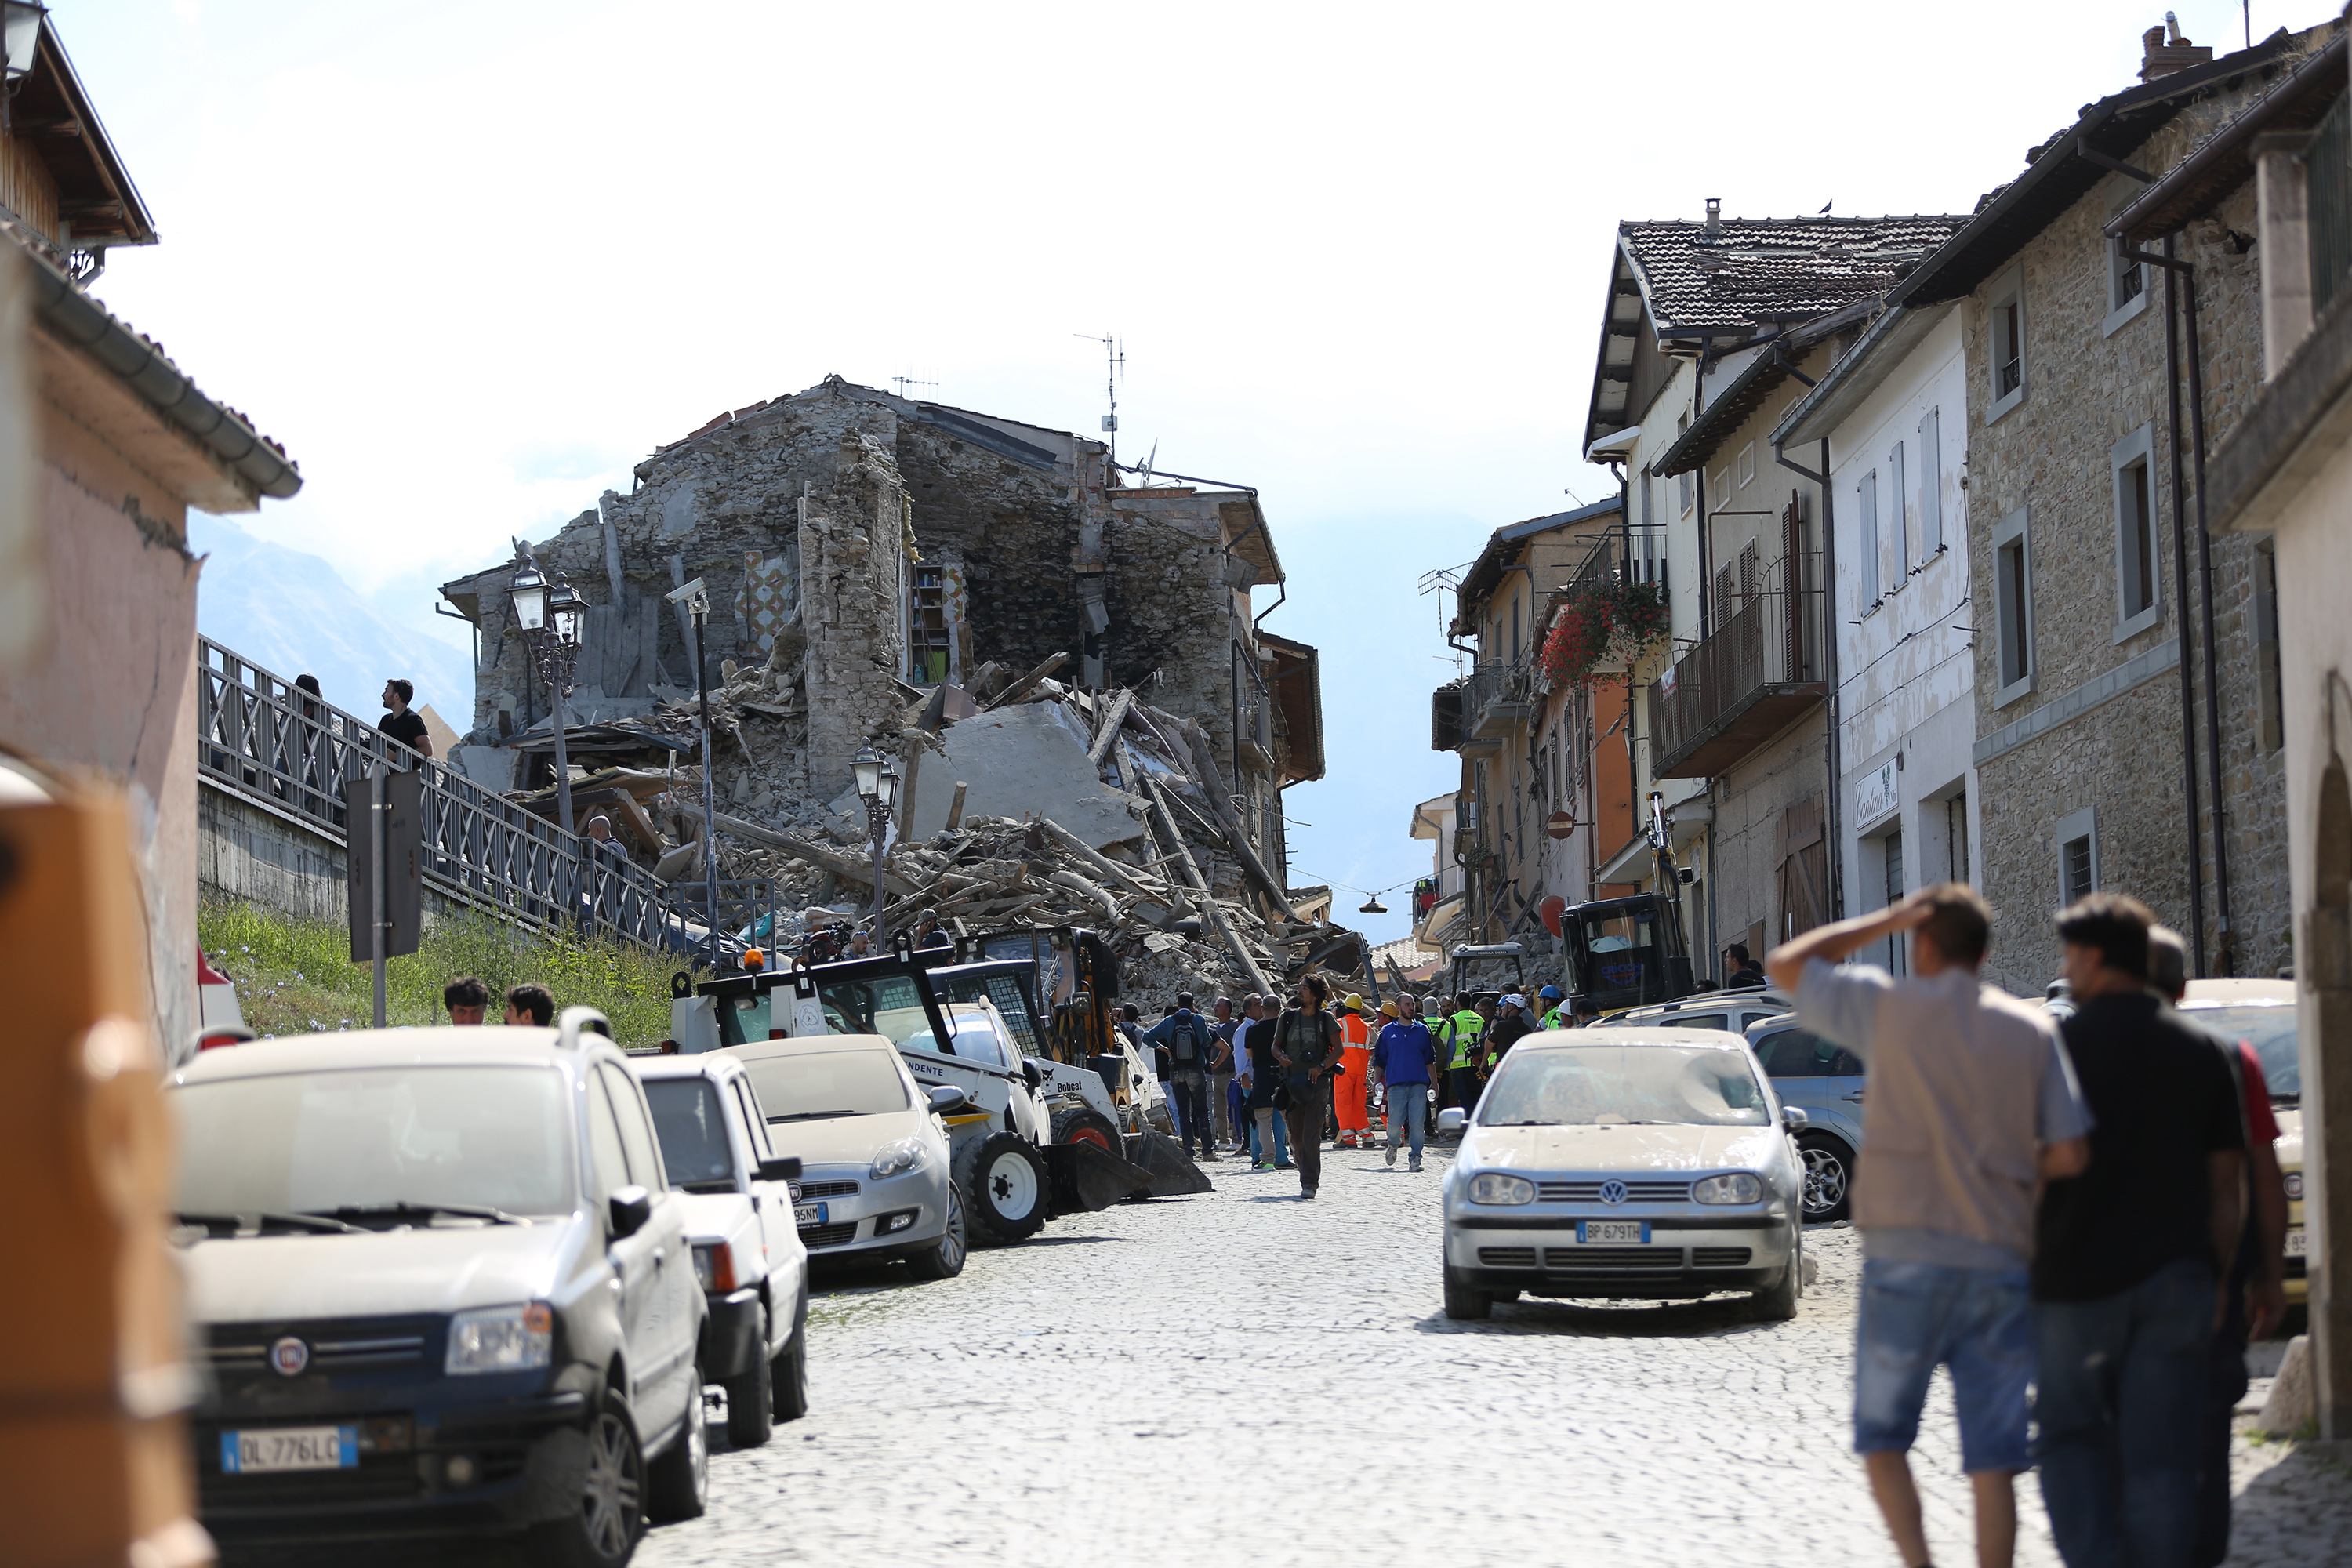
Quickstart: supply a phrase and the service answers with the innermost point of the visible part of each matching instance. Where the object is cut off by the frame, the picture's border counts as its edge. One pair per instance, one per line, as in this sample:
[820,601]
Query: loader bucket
[1172,1172]
[1085,1178]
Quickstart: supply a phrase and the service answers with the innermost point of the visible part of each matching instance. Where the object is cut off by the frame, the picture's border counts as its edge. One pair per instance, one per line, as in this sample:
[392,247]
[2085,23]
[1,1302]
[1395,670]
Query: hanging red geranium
[1579,639]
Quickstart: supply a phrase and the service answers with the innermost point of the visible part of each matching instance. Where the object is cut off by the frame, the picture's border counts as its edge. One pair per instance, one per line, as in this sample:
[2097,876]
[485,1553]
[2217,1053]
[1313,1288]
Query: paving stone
[1242,1377]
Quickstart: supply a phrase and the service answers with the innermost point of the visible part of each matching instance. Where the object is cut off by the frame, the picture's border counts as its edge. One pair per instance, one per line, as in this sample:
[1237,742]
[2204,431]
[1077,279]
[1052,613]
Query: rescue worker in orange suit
[1349,1089]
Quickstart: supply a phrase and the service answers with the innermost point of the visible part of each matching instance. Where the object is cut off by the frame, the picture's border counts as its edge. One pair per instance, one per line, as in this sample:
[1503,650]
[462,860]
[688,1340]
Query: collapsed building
[970,593]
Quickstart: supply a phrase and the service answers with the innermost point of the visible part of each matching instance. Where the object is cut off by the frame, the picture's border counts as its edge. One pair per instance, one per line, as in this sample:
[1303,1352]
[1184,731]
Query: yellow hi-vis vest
[1466,1026]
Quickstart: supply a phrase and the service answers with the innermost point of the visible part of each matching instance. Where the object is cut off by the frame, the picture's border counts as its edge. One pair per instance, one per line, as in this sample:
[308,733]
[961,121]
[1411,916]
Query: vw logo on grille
[1613,1192]
[288,1356]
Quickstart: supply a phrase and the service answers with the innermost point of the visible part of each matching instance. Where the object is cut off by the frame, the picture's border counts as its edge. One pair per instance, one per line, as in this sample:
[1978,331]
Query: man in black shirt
[2127,1268]
[401,722]
[1746,973]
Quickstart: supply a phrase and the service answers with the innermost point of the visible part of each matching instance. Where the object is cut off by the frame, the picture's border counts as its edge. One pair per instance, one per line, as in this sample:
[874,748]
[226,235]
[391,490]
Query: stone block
[1022,762]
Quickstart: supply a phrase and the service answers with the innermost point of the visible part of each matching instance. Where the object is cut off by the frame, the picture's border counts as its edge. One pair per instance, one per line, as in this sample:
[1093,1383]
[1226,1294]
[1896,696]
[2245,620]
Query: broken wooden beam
[1108,737]
[849,867]
[1027,683]
[1208,902]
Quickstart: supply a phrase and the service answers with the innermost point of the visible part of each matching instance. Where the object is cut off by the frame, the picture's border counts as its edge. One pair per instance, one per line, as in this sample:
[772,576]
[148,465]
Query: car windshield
[1615,1086]
[394,1139]
[816,1085]
[692,1128]
[888,1004]
[2270,1029]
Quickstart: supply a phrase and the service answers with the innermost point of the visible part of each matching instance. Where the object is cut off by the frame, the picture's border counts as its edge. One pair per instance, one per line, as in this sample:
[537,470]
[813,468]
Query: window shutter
[1898,517]
[1931,482]
[1866,514]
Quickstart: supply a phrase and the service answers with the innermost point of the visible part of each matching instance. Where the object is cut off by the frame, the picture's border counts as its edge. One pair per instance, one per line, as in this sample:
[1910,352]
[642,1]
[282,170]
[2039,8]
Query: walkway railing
[262,737]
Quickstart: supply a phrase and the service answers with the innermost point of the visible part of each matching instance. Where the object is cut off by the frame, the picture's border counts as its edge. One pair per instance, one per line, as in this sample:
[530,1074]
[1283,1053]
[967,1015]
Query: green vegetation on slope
[296,976]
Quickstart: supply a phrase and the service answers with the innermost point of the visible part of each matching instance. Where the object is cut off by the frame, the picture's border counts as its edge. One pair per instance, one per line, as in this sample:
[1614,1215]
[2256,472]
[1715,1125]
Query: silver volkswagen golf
[1625,1163]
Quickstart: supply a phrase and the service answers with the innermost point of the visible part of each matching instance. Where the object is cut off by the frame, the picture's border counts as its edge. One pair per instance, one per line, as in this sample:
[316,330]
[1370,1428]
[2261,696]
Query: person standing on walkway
[1269,1136]
[1220,1070]
[2257,1288]
[1511,1025]
[1306,1045]
[1746,973]
[1462,1035]
[1554,1007]
[466,999]
[1349,1089]
[401,722]
[1404,1058]
[2130,1275]
[1185,1038]
[529,1004]
[1971,1103]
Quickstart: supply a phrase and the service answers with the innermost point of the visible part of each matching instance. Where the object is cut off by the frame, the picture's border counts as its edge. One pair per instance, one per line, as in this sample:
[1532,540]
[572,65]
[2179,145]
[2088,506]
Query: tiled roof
[1764,269]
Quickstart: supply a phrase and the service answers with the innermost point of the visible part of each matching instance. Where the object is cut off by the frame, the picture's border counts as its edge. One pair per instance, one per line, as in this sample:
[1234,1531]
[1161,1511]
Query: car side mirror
[1453,1119]
[783,1168]
[629,1208]
[1794,1119]
[1029,1071]
[946,1100]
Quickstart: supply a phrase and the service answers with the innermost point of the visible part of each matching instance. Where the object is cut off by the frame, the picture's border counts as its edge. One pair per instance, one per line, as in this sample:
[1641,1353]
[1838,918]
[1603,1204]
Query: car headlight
[1739,1187]
[500,1339]
[898,1159]
[2294,1186]
[1492,1188]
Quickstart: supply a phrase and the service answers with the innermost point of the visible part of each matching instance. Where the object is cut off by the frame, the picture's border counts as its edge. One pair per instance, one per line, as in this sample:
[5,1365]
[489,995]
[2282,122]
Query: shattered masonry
[872,559]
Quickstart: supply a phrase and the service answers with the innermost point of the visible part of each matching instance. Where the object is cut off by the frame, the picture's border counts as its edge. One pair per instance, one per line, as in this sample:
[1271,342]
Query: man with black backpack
[1185,1035]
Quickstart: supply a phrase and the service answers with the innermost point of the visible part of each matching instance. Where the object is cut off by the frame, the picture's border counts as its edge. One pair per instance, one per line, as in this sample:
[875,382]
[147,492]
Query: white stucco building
[1891,416]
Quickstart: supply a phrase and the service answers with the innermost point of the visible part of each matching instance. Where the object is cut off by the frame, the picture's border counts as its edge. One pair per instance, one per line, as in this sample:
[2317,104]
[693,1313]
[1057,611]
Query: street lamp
[551,616]
[20,39]
[878,786]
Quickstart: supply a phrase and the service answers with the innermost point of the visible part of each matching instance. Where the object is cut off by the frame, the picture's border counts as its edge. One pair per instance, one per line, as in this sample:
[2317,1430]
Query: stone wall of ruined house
[2090,381]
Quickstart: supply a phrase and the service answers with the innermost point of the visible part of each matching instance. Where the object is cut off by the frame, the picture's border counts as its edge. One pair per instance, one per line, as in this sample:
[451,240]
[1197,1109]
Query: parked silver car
[875,1181]
[1824,1080]
[1647,1163]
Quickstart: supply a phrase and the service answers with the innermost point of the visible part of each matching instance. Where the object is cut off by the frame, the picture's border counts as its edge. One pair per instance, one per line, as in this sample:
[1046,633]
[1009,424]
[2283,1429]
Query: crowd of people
[2074,1210]
[1269,1078]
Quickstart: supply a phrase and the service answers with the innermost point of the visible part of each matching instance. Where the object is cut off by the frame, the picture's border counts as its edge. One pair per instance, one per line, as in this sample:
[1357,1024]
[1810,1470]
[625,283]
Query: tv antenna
[1440,582]
[900,384]
[1115,358]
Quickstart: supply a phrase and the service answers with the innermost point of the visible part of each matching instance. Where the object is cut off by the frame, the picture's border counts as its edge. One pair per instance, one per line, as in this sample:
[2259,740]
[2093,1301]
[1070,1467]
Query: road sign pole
[378,808]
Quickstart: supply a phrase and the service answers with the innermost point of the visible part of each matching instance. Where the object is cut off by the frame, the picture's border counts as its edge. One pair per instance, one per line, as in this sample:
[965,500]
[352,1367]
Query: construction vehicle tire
[1079,1124]
[1005,1187]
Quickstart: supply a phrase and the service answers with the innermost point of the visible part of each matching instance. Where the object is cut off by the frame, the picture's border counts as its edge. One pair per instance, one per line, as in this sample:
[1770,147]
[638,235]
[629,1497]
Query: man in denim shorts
[1971,1101]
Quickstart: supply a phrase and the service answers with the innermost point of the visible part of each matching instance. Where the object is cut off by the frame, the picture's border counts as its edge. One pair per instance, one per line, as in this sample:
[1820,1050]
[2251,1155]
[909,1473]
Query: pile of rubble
[1024,803]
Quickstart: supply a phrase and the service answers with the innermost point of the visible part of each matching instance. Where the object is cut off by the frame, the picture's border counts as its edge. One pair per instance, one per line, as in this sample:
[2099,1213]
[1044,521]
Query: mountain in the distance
[292,614]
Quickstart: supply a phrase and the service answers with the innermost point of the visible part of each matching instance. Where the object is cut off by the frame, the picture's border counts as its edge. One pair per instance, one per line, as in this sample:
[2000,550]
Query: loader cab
[1010,985]
[1626,953]
[890,995]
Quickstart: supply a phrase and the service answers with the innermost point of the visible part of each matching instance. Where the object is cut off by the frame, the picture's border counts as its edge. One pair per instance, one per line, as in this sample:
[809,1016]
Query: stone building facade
[867,547]
[2087,734]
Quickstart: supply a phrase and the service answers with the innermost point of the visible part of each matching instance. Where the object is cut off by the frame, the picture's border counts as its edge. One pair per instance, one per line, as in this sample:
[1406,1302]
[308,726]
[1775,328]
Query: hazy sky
[471,261]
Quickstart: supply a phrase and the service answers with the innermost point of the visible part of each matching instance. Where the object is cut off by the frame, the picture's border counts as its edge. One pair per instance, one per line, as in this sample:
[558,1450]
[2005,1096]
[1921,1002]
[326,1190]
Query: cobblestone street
[1246,1378]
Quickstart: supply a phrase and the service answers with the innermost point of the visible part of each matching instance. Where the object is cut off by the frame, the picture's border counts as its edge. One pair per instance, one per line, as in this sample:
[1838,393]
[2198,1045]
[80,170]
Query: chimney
[1714,220]
[2163,50]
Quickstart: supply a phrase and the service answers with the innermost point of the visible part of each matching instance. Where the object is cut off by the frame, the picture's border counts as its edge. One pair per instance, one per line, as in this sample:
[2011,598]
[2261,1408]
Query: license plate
[274,1448]
[1591,1231]
[808,1214]
[2297,1246]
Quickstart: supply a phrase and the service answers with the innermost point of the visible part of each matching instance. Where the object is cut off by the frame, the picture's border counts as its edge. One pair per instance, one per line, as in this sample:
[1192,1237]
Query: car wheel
[1005,1184]
[1829,1177]
[602,1531]
[1078,1124]
[1464,1304]
[1777,1303]
[944,1261]
[750,1414]
[678,1484]
[788,1373]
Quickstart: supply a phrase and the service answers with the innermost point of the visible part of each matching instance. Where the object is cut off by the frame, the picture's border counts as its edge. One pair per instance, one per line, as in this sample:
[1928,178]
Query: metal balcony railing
[1738,687]
[261,737]
[1498,696]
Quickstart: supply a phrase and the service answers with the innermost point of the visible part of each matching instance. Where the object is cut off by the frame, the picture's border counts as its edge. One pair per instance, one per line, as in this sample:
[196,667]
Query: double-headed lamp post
[550,616]
[878,786]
